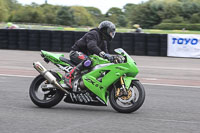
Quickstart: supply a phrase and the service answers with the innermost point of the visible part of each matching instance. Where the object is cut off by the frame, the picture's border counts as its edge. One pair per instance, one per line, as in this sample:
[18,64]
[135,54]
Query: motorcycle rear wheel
[130,103]
[44,98]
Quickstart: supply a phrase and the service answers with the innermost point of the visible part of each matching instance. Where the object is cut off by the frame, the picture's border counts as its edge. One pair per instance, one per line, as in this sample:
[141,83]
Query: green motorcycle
[104,80]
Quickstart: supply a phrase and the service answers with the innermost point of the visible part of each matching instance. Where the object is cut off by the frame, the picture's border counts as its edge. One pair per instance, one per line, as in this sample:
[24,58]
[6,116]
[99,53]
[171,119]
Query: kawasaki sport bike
[104,81]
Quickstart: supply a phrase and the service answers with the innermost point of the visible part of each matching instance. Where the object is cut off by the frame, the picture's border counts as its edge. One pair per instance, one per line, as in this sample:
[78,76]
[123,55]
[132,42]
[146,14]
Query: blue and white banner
[183,45]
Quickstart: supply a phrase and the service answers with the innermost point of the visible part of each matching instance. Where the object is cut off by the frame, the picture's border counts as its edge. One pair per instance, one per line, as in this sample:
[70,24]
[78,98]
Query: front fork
[123,90]
[125,83]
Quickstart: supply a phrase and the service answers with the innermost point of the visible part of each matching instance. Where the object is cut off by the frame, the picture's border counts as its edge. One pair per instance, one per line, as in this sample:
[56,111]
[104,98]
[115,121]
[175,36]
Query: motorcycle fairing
[99,88]
[54,58]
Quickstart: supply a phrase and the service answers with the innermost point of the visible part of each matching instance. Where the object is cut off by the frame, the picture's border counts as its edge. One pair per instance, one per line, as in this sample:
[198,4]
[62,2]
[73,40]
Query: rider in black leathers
[93,42]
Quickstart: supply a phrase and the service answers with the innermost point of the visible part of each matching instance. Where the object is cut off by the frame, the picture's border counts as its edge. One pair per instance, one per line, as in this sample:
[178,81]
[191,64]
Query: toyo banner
[183,45]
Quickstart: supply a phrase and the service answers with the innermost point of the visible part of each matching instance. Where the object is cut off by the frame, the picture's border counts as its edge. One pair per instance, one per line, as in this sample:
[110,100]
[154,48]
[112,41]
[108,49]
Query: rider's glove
[107,56]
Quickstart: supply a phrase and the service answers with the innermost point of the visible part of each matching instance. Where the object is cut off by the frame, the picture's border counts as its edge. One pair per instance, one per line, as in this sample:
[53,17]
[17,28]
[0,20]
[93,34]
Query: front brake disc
[131,96]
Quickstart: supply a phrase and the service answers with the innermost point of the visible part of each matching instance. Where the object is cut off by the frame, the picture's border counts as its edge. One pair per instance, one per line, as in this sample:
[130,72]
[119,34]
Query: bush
[177,26]
[176,19]
[195,18]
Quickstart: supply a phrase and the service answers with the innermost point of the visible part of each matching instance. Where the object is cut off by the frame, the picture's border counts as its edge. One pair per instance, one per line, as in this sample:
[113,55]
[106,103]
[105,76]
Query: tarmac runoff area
[165,71]
[171,106]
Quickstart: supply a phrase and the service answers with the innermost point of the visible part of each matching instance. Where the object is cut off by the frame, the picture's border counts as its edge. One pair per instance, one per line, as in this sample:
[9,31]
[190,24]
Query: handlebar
[118,59]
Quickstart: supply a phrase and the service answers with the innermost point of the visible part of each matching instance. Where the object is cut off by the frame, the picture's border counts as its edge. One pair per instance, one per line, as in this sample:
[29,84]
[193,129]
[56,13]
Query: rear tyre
[130,103]
[44,98]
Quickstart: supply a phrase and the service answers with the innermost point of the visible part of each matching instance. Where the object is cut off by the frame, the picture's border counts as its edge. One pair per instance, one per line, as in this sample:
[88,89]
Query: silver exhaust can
[48,75]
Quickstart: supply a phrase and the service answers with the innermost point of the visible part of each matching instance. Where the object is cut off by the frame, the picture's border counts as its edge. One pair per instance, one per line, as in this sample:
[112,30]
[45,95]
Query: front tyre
[44,98]
[130,103]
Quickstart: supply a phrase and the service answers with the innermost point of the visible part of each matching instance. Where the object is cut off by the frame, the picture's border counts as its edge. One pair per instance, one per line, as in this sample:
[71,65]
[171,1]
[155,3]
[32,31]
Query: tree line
[150,14]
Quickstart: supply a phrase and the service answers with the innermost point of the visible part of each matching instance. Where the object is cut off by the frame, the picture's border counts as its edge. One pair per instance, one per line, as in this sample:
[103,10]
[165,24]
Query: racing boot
[72,75]
[76,71]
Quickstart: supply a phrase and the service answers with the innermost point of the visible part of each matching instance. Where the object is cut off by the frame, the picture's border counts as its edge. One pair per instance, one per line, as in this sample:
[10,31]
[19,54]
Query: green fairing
[114,72]
[96,60]
[127,81]
[54,58]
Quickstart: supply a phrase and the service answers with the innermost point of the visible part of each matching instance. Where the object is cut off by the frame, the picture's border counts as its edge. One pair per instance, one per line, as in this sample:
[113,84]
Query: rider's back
[91,43]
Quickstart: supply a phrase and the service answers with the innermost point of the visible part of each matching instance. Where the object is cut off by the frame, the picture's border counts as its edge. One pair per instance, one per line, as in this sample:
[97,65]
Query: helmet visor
[112,34]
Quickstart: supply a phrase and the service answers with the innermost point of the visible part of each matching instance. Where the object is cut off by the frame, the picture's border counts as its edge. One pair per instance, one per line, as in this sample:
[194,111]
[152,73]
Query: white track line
[25,76]
[21,76]
[170,68]
[171,85]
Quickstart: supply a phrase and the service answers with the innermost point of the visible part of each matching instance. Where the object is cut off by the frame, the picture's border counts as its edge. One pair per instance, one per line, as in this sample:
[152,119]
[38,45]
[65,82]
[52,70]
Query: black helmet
[108,29]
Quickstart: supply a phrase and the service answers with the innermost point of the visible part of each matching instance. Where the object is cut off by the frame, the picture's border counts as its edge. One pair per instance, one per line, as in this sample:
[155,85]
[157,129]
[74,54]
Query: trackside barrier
[134,44]
[183,45]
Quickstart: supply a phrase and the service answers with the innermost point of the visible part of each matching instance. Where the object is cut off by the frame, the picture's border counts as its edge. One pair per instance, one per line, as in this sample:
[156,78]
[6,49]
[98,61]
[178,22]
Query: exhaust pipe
[48,76]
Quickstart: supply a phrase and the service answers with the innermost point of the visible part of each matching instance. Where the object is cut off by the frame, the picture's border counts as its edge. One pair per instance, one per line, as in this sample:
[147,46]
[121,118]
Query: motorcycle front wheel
[44,98]
[130,103]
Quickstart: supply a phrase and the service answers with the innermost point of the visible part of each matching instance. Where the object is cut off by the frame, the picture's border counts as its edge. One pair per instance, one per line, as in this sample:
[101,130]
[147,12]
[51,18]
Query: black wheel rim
[41,94]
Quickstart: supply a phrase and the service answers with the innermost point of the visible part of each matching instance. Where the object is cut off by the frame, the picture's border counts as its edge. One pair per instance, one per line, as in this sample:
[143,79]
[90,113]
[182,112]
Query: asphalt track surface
[172,102]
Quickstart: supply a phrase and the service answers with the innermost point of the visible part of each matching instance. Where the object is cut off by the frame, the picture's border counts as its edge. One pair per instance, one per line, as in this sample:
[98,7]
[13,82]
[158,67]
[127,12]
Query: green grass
[123,30]
[157,31]
[170,31]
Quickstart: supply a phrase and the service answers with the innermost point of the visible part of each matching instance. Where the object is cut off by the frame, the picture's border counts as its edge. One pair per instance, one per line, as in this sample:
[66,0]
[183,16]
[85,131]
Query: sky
[103,5]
